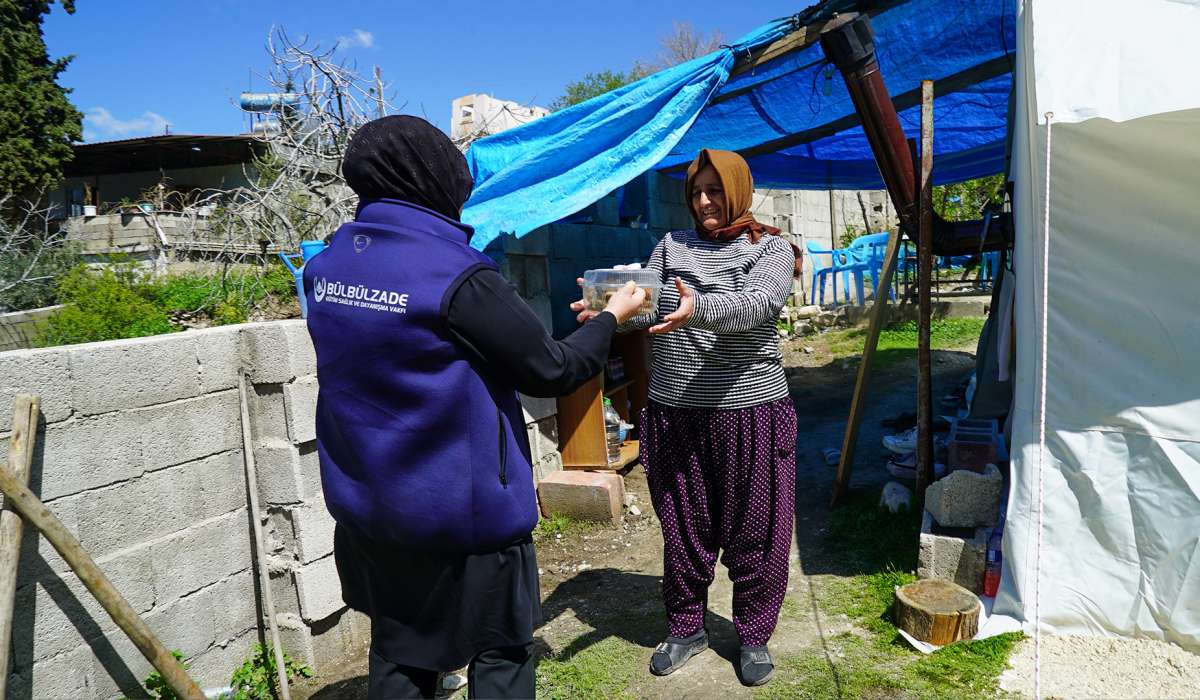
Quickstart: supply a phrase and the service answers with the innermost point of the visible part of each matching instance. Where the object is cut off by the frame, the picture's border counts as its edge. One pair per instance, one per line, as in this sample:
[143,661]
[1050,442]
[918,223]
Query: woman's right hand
[624,304]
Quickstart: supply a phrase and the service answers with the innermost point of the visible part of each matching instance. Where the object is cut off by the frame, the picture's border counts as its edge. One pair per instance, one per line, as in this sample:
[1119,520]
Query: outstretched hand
[681,315]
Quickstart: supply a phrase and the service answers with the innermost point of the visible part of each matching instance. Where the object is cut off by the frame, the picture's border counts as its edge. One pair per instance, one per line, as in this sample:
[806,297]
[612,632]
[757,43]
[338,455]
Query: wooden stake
[260,550]
[20,457]
[22,500]
[859,402]
[924,276]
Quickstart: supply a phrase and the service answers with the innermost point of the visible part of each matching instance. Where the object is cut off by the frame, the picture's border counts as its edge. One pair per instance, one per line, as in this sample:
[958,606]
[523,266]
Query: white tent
[1120,542]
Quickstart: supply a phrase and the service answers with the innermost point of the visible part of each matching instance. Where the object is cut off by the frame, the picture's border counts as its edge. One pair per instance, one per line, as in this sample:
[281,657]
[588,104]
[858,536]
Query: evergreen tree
[37,121]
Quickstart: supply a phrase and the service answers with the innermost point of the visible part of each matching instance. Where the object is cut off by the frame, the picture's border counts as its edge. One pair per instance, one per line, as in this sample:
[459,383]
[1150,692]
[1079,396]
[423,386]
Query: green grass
[899,341]
[875,662]
[878,550]
[563,525]
[602,670]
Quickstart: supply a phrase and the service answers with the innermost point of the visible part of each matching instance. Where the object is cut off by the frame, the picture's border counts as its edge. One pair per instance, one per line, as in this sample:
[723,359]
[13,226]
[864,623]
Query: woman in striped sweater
[719,433]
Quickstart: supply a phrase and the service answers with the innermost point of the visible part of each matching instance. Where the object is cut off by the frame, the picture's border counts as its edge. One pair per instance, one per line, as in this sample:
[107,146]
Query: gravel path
[1103,667]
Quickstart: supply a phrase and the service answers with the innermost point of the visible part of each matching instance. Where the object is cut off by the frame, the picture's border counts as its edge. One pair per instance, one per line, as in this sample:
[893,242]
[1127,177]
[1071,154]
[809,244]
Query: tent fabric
[792,116]
[1120,552]
[553,167]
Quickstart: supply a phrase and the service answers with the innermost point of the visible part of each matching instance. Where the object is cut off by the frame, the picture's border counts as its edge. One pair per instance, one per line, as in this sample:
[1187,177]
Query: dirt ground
[604,583]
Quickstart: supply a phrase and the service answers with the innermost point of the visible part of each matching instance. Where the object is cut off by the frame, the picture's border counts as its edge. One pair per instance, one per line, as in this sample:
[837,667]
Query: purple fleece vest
[417,446]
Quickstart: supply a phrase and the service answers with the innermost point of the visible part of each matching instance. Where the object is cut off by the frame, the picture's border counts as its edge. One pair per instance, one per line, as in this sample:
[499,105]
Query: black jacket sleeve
[496,327]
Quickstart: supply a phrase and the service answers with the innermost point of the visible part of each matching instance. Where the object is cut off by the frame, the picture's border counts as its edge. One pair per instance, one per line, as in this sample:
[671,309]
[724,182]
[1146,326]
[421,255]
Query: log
[26,409]
[21,499]
[936,611]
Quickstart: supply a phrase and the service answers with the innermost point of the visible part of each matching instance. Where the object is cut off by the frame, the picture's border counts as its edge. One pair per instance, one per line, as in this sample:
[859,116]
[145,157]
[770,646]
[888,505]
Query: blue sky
[141,64]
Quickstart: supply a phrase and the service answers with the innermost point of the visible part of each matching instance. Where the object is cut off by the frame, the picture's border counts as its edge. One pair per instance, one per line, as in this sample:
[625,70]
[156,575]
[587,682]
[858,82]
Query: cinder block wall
[141,457]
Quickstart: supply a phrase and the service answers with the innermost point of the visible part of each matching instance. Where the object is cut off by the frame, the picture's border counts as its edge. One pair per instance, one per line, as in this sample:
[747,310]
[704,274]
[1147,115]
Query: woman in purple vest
[421,347]
[719,431]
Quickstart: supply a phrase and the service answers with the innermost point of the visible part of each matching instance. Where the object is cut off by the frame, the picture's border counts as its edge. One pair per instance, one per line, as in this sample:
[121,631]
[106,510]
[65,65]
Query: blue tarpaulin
[791,117]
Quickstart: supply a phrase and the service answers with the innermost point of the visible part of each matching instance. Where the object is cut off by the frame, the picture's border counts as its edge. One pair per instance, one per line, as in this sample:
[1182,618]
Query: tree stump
[936,611]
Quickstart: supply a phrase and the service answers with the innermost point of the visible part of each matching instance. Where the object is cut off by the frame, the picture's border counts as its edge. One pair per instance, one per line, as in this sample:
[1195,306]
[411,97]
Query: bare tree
[684,43]
[297,190]
[32,253]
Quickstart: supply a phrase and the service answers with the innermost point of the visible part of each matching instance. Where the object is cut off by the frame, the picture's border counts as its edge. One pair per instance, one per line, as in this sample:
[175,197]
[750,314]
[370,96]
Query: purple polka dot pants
[723,481]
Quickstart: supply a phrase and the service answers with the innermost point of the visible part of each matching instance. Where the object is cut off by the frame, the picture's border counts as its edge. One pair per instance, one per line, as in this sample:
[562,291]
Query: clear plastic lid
[615,278]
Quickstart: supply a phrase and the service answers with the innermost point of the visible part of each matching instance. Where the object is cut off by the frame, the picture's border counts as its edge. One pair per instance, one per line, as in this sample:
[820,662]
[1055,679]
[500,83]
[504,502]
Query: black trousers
[495,674]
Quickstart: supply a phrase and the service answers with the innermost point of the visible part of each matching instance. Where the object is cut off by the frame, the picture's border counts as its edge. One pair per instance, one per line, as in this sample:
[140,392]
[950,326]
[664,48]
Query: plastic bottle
[991,571]
[612,431]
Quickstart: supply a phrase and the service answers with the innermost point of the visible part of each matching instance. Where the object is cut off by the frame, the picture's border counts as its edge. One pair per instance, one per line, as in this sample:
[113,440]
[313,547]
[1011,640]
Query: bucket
[308,250]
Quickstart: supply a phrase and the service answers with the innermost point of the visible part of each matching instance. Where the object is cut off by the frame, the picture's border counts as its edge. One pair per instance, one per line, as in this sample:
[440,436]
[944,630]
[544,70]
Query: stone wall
[140,455]
[17,327]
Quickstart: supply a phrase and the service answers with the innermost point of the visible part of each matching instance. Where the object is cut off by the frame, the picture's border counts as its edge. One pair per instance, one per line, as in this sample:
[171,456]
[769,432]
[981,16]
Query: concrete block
[582,495]
[200,556]
[219,356]
[214,667]
[278,351]
[310,470]
[287,473]
[86,453]
[117,668]
[67,675]
[313,527]
[268,414]
[346,636]
[300,403]
[957,555]
[157,504]
[536,242]
[543,438]
[538,408]
[54,612]
[546,466]
[218,612]
[42,372]
[319,590]
[963,498]
[185,431]
[123,374]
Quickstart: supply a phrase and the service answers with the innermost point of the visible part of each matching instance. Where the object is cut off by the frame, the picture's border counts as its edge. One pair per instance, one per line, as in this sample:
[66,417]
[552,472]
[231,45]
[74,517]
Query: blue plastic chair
[840,262]
[869,250]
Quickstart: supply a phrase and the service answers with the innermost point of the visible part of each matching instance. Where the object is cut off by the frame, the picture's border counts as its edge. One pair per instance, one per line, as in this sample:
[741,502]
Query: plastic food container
[600,285]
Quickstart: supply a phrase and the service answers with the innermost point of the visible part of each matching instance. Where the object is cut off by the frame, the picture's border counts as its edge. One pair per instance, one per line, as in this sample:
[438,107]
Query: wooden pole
[22,500]
[20,458]
[924,276]
[260,550]
[859,401]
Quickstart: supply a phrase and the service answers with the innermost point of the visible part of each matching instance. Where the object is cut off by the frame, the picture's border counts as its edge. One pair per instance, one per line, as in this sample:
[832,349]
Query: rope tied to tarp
[1041,488]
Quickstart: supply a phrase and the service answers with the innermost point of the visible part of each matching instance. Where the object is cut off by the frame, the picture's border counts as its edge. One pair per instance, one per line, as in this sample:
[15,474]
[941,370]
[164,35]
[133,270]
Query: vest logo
[360,296]
[361,241]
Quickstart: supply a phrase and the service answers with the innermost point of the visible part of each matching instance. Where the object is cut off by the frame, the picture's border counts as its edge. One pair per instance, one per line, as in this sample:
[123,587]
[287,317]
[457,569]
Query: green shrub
[157,686]
[256,678]
[101,306]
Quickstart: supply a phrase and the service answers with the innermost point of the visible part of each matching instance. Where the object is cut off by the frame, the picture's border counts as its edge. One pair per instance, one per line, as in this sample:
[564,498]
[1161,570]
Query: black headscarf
[403,157]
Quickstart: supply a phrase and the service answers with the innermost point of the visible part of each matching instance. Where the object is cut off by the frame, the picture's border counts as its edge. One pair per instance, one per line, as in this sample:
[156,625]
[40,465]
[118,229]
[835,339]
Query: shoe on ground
[755,666]
[903,466]
[674,652]
[901,443]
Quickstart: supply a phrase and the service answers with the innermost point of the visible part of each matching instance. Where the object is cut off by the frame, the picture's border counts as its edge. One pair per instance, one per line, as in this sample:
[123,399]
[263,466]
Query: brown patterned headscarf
[738,185]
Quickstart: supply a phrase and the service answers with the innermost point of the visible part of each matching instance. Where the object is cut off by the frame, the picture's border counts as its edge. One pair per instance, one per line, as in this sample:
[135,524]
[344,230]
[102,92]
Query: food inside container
[600,285]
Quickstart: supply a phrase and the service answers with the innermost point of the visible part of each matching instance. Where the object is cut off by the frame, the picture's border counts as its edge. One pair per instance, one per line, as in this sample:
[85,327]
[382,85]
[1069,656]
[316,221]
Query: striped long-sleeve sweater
[727,356]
